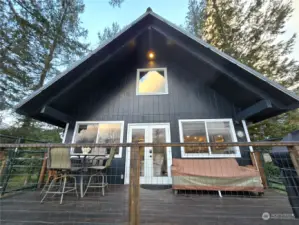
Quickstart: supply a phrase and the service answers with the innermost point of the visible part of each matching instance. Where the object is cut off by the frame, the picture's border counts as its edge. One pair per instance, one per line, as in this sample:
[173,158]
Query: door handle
[150,151]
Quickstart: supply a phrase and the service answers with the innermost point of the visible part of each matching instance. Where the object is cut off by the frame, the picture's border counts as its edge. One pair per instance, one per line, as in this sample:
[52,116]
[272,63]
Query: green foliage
[195,17]
[37,38]
[276,127]
[251,32]
[35,132]
[108,32]
[271,170]
[116,3]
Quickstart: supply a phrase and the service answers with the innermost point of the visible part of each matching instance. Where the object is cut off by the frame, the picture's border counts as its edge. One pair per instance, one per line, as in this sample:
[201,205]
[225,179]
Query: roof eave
[101,46]
[229,58]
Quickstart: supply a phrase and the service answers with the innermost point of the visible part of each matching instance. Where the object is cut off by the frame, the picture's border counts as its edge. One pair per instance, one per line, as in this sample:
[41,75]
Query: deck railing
[22,166]
[34,159]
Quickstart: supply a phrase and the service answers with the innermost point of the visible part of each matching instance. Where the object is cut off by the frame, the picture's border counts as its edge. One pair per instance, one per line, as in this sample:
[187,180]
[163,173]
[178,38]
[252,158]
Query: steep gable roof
[283,99]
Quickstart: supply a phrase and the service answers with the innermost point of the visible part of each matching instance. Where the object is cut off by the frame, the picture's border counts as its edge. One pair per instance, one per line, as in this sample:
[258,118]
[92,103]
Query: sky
[99,14]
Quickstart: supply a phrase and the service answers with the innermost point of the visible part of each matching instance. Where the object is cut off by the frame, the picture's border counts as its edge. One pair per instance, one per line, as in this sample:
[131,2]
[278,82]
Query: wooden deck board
[156,207]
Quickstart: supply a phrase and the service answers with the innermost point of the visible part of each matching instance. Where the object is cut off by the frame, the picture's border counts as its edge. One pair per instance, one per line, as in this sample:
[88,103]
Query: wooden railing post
[42,171]
[3,159]
[134,186]
[294,154]
[257,162]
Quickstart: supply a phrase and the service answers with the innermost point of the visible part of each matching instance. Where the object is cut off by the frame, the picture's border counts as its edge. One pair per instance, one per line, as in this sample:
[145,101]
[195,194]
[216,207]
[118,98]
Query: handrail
[172,144]
[22,138]
[134,185]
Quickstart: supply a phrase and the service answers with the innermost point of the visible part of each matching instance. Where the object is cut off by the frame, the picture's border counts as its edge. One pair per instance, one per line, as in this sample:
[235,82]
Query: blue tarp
[294,136]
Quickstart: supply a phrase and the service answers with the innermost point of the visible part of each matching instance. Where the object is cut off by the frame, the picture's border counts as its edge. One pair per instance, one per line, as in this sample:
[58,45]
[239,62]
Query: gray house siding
[188,98]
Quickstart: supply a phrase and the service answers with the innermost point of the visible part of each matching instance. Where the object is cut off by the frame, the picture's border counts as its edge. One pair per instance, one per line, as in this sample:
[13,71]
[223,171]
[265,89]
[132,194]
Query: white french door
[155,162]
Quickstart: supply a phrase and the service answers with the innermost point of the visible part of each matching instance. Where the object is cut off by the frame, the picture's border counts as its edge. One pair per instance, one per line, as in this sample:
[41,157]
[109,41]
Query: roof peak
[149,9]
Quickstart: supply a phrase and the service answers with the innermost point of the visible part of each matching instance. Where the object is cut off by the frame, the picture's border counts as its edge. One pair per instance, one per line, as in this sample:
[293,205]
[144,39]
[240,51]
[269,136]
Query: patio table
[85,167]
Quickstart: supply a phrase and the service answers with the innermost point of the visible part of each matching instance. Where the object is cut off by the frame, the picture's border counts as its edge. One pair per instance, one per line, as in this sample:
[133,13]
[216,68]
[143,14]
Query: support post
[253,160]
[3,159]
[134,186]
[7,171]
[42,172]
[257,161]
[294,154]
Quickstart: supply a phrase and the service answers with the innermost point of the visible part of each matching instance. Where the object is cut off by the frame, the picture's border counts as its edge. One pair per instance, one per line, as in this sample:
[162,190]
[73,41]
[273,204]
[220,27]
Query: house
[154,82]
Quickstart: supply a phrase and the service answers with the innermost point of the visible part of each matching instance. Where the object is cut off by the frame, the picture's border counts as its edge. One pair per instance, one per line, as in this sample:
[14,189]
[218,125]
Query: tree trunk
[49,57]
[42,172]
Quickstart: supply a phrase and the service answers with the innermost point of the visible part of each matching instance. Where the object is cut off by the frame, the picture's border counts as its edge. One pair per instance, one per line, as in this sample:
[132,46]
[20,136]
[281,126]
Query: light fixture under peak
[151,55]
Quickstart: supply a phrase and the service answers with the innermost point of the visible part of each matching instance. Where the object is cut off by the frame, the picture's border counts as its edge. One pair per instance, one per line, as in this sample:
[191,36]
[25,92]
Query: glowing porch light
[151,55]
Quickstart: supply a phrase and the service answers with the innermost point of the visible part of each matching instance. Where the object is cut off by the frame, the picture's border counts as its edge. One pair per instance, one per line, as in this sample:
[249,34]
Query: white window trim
[65,132]
[247,134]
[151,69]
[208,155]
[119,155]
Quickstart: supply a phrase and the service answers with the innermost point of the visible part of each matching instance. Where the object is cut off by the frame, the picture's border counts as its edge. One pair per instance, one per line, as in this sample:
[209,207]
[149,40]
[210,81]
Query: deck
[157,207]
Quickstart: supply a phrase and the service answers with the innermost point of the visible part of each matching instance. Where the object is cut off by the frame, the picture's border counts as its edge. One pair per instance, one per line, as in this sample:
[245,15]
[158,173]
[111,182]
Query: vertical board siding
[188,98]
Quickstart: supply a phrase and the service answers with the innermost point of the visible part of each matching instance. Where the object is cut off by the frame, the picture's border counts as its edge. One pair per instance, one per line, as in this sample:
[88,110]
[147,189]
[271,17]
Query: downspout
[248,140]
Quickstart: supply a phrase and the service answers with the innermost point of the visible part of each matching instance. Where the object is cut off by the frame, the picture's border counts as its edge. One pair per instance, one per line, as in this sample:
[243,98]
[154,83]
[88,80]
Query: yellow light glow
[151,55]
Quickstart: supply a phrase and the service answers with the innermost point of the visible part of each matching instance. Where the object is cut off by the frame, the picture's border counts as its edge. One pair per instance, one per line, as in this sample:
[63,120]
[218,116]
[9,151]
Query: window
[216,130]
[99,132]
[151,81]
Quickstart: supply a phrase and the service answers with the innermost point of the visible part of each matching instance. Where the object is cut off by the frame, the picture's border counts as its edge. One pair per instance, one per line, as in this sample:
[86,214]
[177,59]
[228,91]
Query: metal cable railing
[18,169]
[197,198]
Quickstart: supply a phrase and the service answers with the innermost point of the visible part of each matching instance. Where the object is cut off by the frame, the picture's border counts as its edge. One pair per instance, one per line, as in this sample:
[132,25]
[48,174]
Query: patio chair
[101,172]
[52,174]
[59,160]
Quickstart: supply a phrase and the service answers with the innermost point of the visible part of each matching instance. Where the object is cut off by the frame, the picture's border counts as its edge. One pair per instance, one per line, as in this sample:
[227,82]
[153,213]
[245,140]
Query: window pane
[220,132]
[195,132]
[87,133]
[159,153]
[152,82]
[109,133]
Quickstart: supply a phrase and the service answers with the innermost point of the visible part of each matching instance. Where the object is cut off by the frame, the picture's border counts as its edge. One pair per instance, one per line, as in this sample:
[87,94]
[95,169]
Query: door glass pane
[159,154]
[138,136]
[220,132]
[195,132]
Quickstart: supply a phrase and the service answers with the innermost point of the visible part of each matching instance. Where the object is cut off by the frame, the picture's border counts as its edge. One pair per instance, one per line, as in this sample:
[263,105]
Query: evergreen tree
[115,3]
[251,32]
[108,32]
[37,39]
[195,17]
[15,58]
